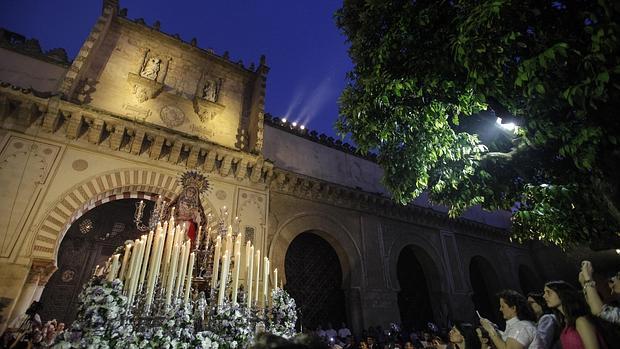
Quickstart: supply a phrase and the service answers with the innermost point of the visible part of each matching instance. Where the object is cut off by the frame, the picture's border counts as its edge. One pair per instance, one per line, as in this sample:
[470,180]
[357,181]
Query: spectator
[595,303]
[344,332]
[547,327]
[483,337]
[330,333]
[520,330]
[578,331]
[462,336]
[320,333]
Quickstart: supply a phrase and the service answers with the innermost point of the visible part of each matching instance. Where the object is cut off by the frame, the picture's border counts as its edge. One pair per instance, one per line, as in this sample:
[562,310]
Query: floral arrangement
[103,317]
[232,323]
[283,314]
[105,321]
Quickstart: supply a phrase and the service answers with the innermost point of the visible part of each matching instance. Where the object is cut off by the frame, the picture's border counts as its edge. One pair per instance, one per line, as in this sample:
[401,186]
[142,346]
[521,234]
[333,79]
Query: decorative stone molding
[41,269]
[313,189]
[207,110]
[142,88]
[22,110]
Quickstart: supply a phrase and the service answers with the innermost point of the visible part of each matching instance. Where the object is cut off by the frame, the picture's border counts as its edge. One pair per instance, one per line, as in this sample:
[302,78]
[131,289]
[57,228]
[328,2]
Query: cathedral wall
[369,246]
[114,80]
[27,72]
[312,159]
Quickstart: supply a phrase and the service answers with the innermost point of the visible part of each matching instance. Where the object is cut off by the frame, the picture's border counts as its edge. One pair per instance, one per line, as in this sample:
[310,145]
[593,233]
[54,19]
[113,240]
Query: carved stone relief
[149,81]
[172,116]
[206,99]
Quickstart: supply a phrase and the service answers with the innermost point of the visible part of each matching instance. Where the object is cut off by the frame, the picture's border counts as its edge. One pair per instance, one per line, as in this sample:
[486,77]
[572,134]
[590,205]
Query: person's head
[363,345]
[567,303]
[409,345]
[538,304]
[513,304]
[464,336]
[343,325]
[614,283]
[370,340]
[61,327]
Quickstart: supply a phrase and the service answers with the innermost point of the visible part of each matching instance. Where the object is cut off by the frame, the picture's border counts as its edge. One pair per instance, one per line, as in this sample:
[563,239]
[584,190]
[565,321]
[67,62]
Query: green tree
[430,77]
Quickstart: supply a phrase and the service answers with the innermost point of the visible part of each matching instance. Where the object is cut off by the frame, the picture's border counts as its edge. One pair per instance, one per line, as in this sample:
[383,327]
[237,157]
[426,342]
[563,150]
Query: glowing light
[618,250]
[302,127]
[294,124]
[284,120]
[511,126]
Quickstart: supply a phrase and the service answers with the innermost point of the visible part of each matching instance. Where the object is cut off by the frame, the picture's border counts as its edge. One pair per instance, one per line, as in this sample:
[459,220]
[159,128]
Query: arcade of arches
[316,208]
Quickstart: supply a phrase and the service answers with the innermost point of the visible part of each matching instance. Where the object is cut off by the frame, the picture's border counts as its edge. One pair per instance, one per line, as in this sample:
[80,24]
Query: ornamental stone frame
[340,239]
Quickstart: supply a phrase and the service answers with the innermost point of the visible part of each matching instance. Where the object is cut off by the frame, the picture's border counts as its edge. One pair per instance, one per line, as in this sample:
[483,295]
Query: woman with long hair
[547,326]
[520,330]
[463,336]
[578,331]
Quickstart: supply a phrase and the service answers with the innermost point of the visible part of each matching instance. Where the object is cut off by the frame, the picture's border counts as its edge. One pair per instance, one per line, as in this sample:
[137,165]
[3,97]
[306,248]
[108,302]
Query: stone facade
[137,107]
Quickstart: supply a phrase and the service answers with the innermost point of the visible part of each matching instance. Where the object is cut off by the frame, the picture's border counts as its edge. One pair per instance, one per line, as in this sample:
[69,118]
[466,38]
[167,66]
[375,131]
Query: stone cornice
[24,110]
[314,136]
[309,188]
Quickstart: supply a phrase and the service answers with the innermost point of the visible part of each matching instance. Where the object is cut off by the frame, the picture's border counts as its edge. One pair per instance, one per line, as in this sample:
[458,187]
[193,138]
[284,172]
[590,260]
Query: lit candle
[155,265]
[257,267]
[171,274]
[198,237]
[145,260]
[216,263]
[225,264]
[190,274]
[265,280]
[167,253]
[229,241]
[125,264]
[113,267]
[249,281]
[235,284]
[182,269]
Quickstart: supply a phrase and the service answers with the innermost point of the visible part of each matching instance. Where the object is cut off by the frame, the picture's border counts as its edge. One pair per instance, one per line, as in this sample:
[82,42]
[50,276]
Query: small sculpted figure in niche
[210,91]
[151,69]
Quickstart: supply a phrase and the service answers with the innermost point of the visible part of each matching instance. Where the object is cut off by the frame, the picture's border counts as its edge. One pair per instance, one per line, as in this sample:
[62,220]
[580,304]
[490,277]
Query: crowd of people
[559,316]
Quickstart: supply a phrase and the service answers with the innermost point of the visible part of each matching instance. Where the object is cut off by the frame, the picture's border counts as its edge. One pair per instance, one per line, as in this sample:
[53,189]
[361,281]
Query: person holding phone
[520,331]
[595,303]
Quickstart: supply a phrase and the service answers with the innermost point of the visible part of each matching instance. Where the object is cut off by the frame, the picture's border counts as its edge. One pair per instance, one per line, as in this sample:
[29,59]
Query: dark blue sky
[305,51]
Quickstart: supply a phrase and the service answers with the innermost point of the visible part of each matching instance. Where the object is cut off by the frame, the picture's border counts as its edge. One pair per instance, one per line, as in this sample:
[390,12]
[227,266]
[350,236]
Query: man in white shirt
[343,332]
[331,333]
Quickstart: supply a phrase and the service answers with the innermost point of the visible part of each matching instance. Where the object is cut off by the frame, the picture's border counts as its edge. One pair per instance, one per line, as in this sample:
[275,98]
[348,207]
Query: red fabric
[570,338]
[191,232]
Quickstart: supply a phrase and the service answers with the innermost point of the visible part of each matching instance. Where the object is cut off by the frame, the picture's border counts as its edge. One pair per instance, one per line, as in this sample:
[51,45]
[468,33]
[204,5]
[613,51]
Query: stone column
[25,297]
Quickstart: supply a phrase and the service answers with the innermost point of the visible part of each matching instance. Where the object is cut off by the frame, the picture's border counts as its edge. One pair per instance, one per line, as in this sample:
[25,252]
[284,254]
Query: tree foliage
[430,77]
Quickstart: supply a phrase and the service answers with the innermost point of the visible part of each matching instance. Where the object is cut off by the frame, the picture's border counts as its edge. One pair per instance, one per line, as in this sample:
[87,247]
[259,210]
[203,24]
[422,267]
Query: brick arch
[327,228]
[99,189]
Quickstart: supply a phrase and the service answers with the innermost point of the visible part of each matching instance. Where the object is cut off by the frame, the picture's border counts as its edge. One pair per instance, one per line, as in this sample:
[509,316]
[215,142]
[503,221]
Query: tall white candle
[125,264]
[275,278]
[257,272]
[155,265]
[135,271]
[222,292]
[198,238]
[190,274]
[235,285]
[132,262]
[171,274]
[182,269]
[168,253]
[145,260]
[265,280]
[229,240]
[248,287]
[216,263]
[247,256]
[113,267]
